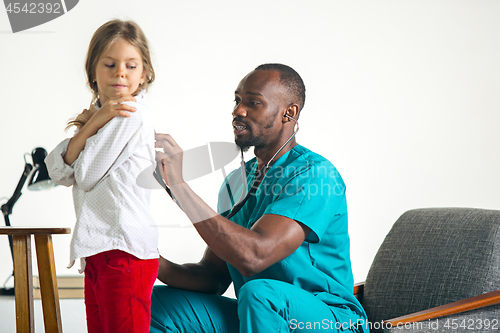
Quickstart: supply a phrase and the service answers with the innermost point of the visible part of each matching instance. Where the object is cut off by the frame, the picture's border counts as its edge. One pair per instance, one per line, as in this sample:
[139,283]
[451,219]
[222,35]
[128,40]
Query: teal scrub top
[307,188]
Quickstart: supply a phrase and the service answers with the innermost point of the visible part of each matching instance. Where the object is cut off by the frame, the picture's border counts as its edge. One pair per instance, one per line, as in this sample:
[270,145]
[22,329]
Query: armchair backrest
[433,257]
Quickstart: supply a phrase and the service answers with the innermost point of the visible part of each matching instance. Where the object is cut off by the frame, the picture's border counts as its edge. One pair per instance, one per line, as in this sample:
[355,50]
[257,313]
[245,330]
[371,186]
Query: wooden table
[23,277]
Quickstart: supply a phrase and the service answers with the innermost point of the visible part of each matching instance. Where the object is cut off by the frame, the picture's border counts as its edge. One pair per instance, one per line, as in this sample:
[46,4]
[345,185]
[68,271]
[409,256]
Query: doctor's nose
[239,111]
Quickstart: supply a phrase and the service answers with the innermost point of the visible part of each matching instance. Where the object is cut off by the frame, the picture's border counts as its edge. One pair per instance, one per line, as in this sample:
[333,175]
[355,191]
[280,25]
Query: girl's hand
[112,108]
[170,159]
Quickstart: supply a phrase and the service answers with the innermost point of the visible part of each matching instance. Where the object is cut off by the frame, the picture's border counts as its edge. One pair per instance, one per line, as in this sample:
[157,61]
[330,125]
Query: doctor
[285,246]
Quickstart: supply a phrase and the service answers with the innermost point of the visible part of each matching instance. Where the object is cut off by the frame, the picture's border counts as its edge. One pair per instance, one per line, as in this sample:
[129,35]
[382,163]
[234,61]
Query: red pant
[118,290]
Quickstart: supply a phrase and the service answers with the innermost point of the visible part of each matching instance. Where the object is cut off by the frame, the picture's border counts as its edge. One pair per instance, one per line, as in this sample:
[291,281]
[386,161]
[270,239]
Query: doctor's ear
[291,113]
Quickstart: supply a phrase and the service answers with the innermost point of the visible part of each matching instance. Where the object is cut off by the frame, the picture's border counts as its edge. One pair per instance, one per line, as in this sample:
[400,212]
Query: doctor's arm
[210,275]
[271,239]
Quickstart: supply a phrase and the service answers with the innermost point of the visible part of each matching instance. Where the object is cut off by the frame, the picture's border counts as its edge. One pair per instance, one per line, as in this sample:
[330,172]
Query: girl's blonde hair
[102,38]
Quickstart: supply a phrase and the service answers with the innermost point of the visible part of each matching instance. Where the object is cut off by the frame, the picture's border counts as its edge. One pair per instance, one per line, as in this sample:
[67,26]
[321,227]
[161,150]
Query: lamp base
[6,291]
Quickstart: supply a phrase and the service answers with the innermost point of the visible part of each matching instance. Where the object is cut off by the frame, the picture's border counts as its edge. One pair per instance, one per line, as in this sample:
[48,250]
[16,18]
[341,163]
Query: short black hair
[290,79]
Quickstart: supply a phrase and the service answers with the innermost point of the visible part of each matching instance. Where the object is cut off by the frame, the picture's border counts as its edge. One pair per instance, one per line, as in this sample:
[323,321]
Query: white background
[402,97]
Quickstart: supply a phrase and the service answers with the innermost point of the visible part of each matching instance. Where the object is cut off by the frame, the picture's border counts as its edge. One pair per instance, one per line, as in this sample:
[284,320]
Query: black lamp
[38,180]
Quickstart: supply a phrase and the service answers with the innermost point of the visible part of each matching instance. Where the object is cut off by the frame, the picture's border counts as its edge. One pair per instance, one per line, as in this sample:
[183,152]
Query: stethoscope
[159,179]
[259,176]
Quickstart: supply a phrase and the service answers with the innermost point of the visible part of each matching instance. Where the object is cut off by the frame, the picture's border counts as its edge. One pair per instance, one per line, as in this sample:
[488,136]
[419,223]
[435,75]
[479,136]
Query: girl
[115,236]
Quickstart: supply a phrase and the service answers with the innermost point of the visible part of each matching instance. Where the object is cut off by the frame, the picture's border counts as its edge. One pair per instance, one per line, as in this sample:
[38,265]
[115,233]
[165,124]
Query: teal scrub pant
[267,306]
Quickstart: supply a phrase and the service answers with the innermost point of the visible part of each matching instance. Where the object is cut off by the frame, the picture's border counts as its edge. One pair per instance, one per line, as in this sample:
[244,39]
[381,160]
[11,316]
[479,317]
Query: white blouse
[112,210]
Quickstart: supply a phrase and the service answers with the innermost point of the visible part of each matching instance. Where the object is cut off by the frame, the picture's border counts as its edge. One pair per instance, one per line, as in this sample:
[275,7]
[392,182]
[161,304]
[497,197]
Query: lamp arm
[7,207]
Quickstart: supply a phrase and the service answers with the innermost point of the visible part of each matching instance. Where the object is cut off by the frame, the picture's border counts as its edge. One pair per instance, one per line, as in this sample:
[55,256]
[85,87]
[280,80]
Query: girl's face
[119,71]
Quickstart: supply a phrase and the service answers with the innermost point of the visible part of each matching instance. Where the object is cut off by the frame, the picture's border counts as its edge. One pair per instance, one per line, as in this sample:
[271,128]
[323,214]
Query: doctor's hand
[170,159]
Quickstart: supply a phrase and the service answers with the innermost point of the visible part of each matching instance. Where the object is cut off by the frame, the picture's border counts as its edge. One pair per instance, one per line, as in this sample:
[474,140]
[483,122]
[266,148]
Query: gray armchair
[438,270]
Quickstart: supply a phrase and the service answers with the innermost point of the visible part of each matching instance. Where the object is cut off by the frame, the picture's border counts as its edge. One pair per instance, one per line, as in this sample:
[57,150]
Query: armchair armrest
[358,288]
[358,291]
[467,304]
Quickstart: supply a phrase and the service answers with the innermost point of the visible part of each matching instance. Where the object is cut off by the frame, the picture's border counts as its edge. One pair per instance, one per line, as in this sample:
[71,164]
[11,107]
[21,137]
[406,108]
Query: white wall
[402,96]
